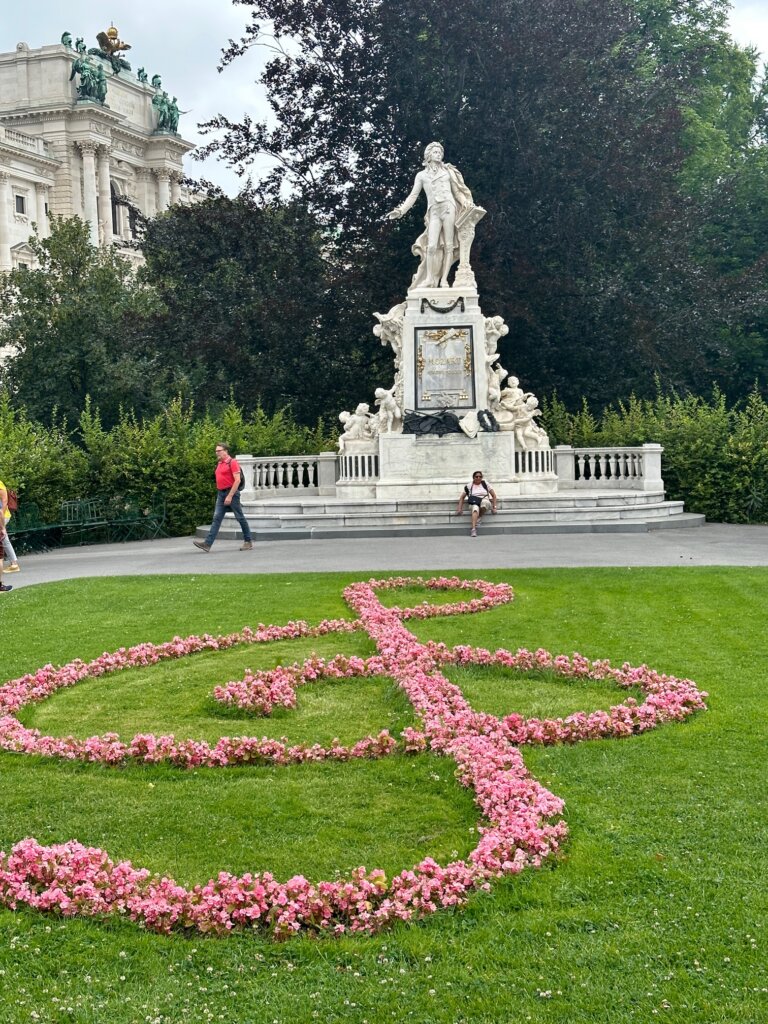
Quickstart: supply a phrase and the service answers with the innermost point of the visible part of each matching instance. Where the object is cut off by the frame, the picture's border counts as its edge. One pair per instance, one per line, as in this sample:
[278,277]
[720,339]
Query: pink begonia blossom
[524,823]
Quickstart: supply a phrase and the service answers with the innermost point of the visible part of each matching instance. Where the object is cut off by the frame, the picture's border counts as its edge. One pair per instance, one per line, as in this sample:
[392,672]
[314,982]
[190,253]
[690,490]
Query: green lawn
[656,909]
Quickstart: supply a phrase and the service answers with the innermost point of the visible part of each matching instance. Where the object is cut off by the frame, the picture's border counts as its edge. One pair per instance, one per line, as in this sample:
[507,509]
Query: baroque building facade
[67,153]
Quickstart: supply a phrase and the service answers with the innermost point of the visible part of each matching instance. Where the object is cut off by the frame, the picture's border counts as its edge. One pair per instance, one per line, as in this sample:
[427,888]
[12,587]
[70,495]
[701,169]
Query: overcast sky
[181,40]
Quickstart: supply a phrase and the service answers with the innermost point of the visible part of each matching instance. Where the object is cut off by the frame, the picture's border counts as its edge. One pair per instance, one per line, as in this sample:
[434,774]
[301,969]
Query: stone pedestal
[423,468]
[443,359]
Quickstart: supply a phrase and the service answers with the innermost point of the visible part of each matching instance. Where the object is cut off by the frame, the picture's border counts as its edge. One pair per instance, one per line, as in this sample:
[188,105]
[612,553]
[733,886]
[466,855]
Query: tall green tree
[252,307]
[574,123]
[73,326]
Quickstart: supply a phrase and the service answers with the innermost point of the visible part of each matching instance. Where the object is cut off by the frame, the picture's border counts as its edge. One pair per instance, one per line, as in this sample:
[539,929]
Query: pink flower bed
[522,819]
[259,692]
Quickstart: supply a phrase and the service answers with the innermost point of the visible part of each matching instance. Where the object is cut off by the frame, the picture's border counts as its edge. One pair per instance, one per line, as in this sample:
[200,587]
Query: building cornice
[108,122]
[43,164]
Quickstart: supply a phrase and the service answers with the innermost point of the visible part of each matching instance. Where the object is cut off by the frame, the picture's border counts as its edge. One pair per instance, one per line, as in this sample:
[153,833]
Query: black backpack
[241,485]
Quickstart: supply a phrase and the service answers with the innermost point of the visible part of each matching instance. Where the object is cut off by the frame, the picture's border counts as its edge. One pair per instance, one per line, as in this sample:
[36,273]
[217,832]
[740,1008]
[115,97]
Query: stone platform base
[562,512]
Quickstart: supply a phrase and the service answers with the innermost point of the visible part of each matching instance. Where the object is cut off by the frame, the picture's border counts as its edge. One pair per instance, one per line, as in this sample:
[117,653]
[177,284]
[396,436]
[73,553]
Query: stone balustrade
[21,141]
[634,469]
[608,468]
[358,464]
[281,475]
[533,463]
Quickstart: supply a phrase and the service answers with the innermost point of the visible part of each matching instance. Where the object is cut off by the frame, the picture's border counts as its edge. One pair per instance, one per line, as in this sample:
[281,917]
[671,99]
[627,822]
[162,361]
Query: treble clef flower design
[522,820]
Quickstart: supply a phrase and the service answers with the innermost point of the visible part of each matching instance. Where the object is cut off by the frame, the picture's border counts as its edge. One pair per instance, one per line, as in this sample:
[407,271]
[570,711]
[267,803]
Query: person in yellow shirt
[13,563]
[3,587]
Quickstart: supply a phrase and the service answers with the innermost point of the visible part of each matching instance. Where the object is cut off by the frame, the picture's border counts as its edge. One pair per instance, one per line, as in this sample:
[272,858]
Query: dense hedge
[715,458]
[171,454]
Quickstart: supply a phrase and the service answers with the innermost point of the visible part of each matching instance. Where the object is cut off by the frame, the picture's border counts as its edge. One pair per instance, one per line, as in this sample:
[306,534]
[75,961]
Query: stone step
[664,515]
[505,517]
[564,499]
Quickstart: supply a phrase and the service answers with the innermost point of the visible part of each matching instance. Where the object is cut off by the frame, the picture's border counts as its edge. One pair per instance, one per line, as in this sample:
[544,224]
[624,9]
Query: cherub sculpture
[496,375]
[528,433]
[511,401]
[495,328]
[390,413]
[358,425]
[390,329]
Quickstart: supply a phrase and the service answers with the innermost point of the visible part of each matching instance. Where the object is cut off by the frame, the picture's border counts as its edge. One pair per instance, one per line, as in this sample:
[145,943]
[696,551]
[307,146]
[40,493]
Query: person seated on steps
[480,497]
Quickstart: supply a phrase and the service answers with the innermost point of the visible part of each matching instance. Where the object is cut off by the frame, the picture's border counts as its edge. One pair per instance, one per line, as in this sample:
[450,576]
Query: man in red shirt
[227,498]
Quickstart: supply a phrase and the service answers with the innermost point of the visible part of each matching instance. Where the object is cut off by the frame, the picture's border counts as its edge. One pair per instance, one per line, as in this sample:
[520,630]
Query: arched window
[122,208]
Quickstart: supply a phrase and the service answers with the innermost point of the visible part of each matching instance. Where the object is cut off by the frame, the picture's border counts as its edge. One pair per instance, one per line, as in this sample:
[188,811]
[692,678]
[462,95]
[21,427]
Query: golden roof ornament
[110,45]
[110,41]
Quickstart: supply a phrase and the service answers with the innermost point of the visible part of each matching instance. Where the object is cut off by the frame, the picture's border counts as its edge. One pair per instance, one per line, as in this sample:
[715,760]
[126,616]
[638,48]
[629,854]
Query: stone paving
[708,545]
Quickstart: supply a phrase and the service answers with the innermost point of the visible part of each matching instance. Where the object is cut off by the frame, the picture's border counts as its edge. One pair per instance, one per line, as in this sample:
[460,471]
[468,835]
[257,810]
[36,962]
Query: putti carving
[495,328]
[390,329]
[517,411]
[390,412]
[360,425]
[496,375]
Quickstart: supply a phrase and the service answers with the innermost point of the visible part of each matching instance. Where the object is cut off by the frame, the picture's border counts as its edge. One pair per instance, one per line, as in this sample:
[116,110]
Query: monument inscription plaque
[444,357]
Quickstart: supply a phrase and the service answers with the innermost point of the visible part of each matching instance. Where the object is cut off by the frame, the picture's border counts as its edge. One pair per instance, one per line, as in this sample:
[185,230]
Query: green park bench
[29,532]
[123,518]
[130,519]
[86,520]
[83,520]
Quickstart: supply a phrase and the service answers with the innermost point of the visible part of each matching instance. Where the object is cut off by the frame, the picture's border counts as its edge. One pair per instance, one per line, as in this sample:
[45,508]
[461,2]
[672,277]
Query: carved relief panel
[444,370]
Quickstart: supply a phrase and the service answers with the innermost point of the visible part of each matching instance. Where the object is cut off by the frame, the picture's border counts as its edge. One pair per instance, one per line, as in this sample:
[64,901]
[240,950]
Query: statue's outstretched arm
[403,208]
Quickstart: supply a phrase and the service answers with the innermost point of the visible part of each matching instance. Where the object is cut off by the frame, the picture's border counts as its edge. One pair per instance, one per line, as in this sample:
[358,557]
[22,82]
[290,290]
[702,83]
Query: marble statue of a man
[447,198]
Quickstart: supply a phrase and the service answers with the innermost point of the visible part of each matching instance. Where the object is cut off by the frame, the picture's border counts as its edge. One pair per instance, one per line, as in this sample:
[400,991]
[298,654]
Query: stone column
[565,467]
[328,470]
[105,197]
[90,206]
[146,188]
[652,479]
[125,220]
[5,222]
[43,224]
[163,188]
[175,188]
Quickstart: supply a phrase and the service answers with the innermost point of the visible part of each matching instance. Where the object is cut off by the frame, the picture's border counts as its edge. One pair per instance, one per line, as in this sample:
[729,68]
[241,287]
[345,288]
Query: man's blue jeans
[220,511]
